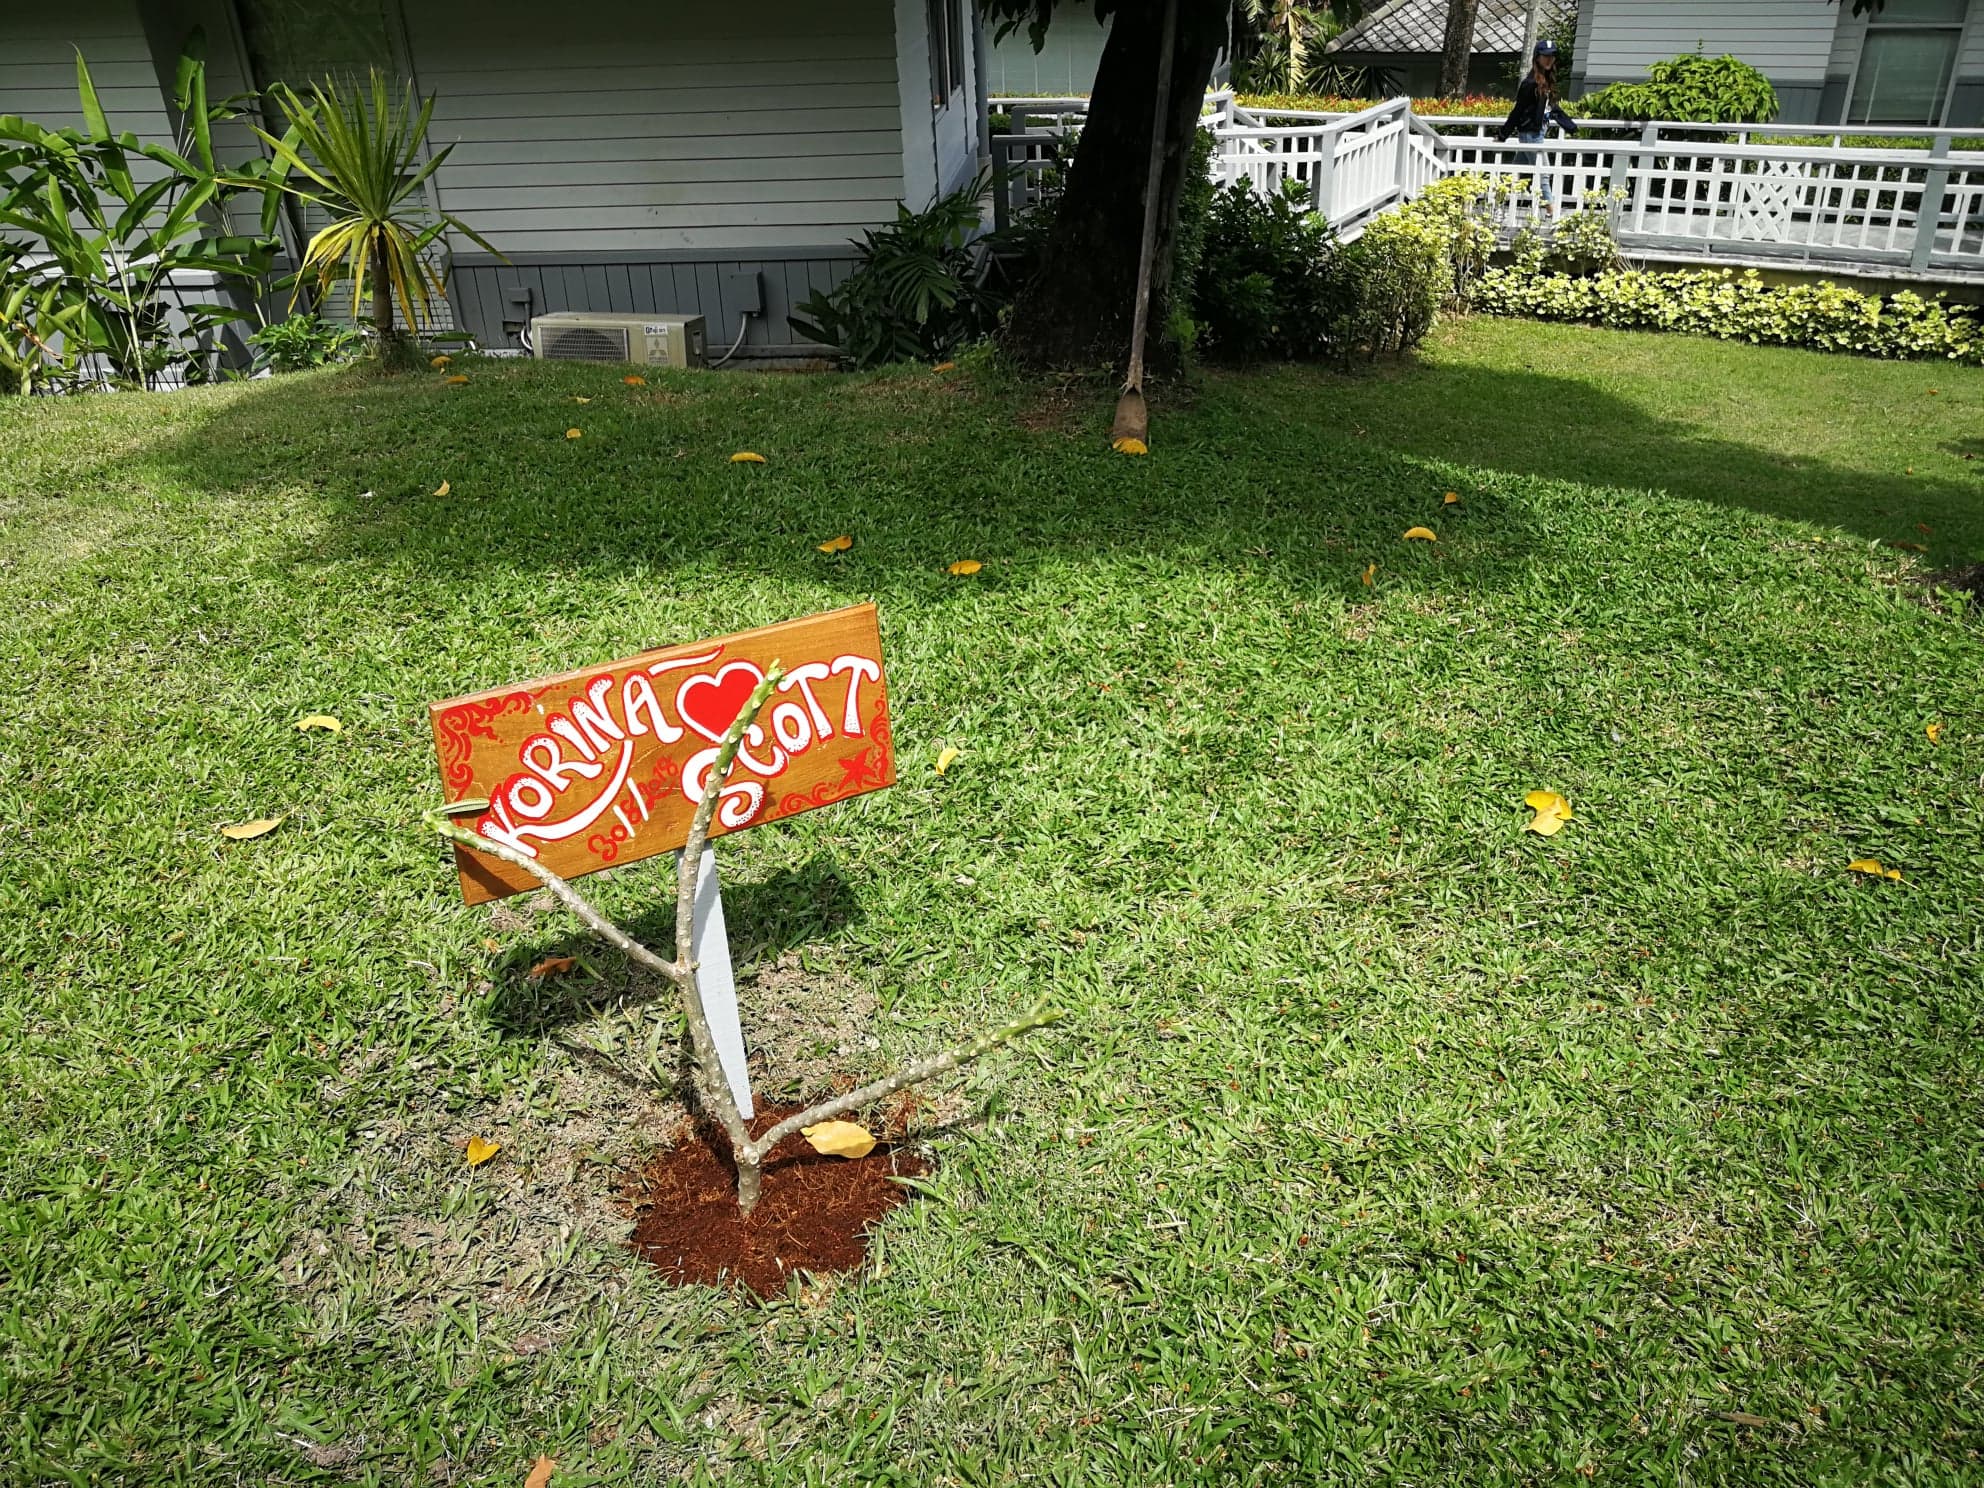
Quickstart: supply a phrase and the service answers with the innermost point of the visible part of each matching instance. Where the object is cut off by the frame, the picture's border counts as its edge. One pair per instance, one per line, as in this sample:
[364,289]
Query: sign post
[599,768]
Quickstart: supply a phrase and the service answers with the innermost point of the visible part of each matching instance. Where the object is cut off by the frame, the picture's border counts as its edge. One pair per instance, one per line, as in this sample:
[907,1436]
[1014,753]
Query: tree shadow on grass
[792,908]
[1293,472]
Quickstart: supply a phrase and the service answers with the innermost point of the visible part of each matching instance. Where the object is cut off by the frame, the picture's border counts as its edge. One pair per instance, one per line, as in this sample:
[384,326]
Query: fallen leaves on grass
[480,1151]
[837,544]
[964,568]
[1420,534]
[839,1138]
[747,457]
[1872,868]
[1370,573]
[458,380]
[540,1473]
[1452,498]
[437,363]
[634,379]
[1128,446]
[574,434]
[578,398]
[1934,731]
[330,725]
[945,367]
[1552,811]
[442,489]
[550,966]
[248,831]
[947,757]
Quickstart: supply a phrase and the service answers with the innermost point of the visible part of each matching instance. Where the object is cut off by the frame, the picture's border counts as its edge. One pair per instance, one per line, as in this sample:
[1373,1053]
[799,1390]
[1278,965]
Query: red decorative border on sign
[859,774]
[459,724]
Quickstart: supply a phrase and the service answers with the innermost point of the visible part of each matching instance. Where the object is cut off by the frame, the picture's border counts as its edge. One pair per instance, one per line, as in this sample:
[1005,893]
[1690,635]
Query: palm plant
[358,152]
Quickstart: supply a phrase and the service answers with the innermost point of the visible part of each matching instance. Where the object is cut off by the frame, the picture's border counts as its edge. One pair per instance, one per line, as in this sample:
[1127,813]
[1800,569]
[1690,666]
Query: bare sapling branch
[714,1087]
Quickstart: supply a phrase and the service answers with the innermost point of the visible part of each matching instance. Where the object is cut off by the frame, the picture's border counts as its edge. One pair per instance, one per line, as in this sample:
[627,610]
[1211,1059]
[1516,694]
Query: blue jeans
[1529,158]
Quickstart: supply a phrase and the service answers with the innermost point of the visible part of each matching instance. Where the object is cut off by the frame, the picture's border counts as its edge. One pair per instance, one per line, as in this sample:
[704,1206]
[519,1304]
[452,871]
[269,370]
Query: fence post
[1323,195]
[1401,158]
[1929,215]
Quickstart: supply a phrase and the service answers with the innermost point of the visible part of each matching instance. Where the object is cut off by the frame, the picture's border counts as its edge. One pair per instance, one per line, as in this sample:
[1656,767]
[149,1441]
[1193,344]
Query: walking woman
[1536,110]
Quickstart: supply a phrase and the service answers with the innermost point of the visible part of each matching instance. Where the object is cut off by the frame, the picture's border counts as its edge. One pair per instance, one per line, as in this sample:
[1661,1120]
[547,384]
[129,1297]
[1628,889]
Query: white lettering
[803,677]
[591,714]
[790,728]
[856,667]
[543,758]
[637,698]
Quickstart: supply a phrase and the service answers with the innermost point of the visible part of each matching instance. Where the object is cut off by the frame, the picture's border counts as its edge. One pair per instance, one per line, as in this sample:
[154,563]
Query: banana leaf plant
[356,154]
[109,221]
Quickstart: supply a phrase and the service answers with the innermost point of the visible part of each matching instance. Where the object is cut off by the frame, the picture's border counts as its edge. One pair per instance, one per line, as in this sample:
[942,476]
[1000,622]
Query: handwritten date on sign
[592,769]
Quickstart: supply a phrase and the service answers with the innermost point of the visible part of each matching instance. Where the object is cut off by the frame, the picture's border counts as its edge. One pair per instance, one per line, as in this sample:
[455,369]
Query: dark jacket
[1533,111]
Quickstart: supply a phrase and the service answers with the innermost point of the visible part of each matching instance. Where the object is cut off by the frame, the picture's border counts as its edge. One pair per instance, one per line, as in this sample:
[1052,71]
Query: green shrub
[1690,89]
[1722,304]
[303,341]
[1265,285]
[918,293]
[1401,274]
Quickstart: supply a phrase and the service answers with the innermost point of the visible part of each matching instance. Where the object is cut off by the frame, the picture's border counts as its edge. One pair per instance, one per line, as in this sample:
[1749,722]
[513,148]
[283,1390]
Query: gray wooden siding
[638,128]
[1066,62]
[38,45]
[1789,40]
[680,284]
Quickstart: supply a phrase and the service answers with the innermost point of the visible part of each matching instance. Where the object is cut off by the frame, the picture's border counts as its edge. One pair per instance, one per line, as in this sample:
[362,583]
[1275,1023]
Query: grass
[1385,1144]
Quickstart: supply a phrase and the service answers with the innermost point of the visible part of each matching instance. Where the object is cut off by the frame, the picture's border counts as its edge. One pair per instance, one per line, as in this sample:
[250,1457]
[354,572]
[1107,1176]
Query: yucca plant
[358,153]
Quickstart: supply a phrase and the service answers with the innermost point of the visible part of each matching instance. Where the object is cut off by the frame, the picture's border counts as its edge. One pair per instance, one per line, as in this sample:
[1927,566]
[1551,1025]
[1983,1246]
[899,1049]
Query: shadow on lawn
[1294,472]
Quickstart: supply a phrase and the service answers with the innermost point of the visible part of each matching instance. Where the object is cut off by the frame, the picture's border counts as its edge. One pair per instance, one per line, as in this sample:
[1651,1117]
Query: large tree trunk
[1457,47]
[1076,312]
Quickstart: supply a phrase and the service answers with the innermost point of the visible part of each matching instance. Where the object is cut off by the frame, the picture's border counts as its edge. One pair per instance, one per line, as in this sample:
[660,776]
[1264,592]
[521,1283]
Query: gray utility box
[651,340]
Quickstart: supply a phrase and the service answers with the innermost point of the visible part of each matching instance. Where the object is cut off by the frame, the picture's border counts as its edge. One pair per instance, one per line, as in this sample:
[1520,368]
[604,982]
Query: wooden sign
[593,769]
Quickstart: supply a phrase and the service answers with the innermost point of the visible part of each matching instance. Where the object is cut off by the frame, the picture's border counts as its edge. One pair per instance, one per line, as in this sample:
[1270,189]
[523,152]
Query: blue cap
[1545,47]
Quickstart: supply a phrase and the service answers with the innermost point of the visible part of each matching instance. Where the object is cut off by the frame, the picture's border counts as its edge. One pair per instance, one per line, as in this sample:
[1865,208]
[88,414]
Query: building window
[1906,62]
[947,38]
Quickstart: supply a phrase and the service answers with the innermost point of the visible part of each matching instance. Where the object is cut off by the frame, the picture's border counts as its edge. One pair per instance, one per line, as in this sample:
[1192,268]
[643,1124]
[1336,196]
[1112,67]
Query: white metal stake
[718,985]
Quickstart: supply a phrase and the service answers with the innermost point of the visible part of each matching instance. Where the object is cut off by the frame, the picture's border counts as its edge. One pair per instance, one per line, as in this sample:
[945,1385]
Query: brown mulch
[813,1213]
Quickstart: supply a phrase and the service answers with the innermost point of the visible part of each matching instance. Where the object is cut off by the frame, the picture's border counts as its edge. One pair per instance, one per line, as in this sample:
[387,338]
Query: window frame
[1956,30]
[944,26]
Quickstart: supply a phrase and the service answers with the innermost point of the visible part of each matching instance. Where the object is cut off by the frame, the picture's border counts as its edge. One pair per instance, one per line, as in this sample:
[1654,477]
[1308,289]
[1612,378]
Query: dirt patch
[814,1213]
[1968,581]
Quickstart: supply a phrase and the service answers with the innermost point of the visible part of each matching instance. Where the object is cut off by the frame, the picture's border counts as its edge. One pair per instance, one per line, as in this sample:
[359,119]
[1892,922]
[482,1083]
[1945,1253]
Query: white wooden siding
[1065,63]
[641,127]
[38,46]
[1789,40]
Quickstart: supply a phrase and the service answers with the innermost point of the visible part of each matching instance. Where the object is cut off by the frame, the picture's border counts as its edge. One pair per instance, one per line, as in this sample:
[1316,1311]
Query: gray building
[1404,39]
[646,156]
[1916,62]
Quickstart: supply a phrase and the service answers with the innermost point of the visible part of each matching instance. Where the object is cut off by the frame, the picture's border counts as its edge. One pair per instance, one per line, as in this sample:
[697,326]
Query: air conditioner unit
[652,340]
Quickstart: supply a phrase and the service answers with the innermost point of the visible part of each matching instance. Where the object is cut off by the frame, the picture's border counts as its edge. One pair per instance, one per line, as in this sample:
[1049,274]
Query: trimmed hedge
[1733,307]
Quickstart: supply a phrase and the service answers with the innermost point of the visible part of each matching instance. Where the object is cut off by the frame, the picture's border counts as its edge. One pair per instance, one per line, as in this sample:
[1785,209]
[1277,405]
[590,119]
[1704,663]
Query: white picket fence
[1674,191]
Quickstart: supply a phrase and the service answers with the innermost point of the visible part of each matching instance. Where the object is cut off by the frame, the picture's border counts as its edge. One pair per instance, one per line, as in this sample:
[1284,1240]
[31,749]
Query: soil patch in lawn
[814,1213]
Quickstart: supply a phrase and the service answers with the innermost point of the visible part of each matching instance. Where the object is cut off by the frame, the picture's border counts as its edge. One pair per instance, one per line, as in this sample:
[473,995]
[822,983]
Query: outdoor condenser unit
[654,340]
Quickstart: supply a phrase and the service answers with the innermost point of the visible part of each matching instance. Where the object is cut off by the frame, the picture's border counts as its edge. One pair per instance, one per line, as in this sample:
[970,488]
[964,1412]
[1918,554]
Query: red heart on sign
[709,705]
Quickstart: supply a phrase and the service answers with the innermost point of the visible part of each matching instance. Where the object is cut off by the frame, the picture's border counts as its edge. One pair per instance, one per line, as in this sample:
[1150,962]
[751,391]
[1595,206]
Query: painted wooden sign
[593,769]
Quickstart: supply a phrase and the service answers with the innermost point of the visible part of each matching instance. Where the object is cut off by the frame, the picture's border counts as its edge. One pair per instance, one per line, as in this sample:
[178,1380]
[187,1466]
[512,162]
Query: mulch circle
[814,1212]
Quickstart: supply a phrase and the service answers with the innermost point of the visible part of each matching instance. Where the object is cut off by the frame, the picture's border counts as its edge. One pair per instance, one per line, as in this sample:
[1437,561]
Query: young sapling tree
[750,1152]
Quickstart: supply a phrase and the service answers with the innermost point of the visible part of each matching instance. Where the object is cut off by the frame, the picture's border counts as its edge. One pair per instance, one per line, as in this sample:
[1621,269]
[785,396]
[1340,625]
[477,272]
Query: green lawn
[1384,1142]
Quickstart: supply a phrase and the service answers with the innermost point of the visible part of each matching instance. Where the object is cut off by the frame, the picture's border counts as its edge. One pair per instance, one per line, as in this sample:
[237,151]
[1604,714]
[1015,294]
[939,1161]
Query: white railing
[1673,190]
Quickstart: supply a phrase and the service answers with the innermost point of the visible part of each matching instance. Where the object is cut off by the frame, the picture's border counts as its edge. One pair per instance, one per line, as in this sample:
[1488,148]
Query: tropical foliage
[106,230]
[359,153]
[1689,89]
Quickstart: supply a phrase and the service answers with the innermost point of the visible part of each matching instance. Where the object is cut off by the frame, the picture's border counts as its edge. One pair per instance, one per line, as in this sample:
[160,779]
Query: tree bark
[1457,47]
[1076,311]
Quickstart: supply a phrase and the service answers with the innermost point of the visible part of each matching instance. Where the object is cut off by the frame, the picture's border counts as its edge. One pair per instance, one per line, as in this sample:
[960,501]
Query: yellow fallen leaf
[1452,498]
[746,457]
[1552,811]
[1934,731]
[248,831]
[1370,573]
[1128,446]
[540,1473]
[1872,868]
[1420,534]
[946,757]
[479,1151]
[437,363]
[965,567]
[945,367]
[634,379]
[573,434]
[442,489]
[837,544]
[839,1138]
[458,380]
[577,399]
[322,721]
[550,966]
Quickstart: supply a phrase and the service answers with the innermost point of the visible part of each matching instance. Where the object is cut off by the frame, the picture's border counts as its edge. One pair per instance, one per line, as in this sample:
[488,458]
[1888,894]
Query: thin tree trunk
[1457,47]
[1076,312]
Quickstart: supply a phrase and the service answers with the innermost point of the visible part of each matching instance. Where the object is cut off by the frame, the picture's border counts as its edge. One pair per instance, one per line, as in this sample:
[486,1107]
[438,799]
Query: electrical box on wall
[653,340]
